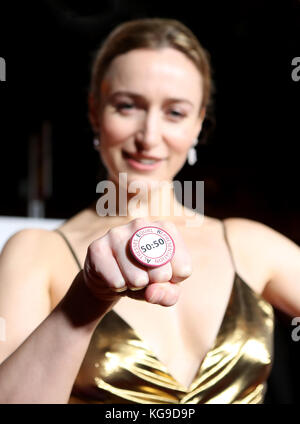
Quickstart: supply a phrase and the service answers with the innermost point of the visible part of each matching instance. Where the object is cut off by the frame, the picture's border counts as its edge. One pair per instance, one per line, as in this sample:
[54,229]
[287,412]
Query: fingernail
[119,289]
[151,299]
[136,288]
[120,286]
[158,300]
[177,279]
[140,285]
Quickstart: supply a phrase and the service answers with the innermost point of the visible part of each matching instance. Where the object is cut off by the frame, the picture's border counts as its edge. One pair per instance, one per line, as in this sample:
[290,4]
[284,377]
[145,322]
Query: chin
[148,180]
[138,180]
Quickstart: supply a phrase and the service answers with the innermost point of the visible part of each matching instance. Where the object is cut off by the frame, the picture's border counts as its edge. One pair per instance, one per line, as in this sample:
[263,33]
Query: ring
[152,246]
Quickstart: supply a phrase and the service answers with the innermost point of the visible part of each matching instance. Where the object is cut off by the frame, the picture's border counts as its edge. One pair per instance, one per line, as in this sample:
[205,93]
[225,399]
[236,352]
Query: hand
[110,270]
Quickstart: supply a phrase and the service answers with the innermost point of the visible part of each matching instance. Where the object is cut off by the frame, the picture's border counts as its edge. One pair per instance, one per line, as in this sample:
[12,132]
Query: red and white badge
[152,246]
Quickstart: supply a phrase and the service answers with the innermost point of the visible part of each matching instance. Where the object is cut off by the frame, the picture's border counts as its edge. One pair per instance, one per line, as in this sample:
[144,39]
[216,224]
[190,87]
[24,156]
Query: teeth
[146,161]
[141,160]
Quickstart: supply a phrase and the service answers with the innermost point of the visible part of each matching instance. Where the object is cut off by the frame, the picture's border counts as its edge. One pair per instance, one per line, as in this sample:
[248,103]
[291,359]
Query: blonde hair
[153,33]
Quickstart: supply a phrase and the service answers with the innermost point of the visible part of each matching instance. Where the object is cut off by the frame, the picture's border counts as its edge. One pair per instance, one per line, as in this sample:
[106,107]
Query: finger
[165,294]
[181,262]
[104,274]
[160,274]
[136,277]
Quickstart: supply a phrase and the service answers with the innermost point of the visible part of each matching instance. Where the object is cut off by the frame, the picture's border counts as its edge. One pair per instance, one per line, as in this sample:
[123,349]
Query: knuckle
[137,284]
[159,223]
[138,223]
[112,232]
[96,248]
[167,225]
[185,271]
[116,234]
[138,278]
[182,272]
[161,276]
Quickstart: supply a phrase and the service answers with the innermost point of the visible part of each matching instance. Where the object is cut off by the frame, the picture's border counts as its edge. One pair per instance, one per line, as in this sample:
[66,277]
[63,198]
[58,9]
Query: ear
[93,113]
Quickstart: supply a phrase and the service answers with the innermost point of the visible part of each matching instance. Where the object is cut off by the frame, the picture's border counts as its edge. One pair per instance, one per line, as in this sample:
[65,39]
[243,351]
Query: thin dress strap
[70,247]
[228,245]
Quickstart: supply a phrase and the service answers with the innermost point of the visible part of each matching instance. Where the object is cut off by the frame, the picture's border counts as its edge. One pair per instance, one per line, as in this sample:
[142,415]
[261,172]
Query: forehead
[154,72]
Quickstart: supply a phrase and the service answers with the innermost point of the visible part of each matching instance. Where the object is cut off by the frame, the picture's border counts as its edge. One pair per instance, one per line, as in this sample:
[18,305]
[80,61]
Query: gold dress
[120,368]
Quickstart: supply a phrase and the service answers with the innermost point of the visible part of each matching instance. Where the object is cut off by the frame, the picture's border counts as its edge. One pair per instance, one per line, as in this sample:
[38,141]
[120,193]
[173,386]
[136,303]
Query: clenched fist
[111,271]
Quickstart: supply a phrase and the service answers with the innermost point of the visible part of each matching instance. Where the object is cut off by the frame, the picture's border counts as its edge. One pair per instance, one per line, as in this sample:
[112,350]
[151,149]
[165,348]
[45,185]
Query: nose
[149,133]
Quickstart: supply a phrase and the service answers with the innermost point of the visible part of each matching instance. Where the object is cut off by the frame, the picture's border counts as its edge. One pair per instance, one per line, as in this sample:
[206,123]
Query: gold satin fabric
[120,368]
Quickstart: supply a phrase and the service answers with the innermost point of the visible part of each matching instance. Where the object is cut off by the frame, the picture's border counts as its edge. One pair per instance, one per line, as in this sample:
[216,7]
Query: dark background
[248,152]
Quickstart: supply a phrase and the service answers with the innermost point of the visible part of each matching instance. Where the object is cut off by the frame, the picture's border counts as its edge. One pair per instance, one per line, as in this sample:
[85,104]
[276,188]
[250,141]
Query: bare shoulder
[26,240]
[260,250]
[30,248]
[250,242]
[40,256]
[248,227]
[33,251]
[256,233]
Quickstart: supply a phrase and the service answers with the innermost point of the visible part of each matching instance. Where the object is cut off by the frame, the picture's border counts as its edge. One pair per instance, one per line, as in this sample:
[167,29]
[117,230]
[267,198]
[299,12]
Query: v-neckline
[188,388]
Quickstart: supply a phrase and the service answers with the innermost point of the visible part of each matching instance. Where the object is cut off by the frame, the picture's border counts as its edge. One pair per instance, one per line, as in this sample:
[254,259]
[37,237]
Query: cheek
[115,129]
[180,141]
[179,135]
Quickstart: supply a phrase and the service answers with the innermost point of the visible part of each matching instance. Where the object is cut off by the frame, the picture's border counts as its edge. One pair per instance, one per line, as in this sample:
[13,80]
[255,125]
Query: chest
[181,335]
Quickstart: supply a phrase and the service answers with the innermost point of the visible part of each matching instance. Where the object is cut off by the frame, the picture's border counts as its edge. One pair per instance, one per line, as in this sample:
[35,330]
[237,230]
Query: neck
[152,201]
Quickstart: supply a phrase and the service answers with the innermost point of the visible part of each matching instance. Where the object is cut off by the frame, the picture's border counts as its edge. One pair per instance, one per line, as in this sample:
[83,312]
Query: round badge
[152,246]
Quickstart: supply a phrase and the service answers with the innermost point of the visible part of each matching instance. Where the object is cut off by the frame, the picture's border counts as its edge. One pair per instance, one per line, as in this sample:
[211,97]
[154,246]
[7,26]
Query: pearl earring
[96,142]
[192,154]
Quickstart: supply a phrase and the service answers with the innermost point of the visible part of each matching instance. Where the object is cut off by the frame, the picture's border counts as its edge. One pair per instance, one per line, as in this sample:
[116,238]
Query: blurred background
[248,152]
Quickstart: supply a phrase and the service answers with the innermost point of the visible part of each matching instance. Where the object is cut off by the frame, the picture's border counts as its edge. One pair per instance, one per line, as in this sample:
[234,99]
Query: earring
[96,142]
[192,154]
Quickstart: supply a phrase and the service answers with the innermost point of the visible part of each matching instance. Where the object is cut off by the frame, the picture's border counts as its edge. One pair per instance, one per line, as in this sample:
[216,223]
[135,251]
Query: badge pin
[152,246]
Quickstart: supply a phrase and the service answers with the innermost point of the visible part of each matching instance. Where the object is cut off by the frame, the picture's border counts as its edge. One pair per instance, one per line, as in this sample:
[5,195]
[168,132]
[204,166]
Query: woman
[104,328]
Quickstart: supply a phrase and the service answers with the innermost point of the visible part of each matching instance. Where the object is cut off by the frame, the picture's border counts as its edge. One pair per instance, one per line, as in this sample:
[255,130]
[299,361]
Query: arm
[44,367]
[43,350]
[271,259]
[283,288]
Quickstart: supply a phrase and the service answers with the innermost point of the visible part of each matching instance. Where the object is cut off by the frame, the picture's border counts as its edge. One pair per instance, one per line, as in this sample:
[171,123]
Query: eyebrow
[139,96]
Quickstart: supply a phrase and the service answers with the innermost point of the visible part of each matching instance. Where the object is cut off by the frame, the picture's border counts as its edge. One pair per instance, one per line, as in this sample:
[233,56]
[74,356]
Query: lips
[142,162]
[140,157]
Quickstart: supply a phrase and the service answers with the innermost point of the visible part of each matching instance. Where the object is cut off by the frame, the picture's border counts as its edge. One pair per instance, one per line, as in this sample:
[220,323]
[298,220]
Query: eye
[177,114]
[124,105]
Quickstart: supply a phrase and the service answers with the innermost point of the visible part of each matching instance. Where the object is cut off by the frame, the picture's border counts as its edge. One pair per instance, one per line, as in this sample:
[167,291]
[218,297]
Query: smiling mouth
[141,159]
[142,163]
